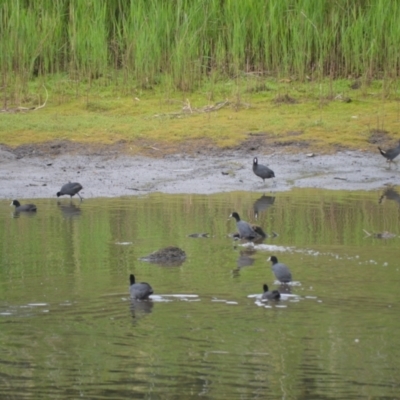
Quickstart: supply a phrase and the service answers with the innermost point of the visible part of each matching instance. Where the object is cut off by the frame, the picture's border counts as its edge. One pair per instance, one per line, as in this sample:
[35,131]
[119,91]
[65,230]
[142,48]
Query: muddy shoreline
[111,172]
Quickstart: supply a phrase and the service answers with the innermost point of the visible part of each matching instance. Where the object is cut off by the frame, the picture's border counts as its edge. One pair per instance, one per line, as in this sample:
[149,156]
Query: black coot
[247,231]
[24,207]
[70,189]
[262,171]
[390,154]
[281,271]
[270,295]
[139,291]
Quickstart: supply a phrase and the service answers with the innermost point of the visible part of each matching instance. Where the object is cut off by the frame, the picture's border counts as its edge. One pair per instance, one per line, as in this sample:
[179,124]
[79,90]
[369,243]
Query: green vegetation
[124,69]
[185,42]
[154,119]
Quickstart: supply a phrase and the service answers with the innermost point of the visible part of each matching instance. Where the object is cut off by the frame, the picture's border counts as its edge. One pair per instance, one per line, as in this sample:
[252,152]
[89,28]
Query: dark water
[68,329]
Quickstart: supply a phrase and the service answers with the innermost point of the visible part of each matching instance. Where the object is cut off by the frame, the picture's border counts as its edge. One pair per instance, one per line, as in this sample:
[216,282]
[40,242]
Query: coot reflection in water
[23,214]
[262,204]
[390,194]
[138,307]
[245,259]
[69,210]
[284,288]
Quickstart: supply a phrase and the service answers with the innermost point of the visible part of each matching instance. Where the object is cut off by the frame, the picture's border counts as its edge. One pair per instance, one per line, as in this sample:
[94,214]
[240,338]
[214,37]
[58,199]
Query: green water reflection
[68,330]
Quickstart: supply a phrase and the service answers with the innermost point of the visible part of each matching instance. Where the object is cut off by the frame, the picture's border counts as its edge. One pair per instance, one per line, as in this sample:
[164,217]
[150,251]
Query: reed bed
[183,43]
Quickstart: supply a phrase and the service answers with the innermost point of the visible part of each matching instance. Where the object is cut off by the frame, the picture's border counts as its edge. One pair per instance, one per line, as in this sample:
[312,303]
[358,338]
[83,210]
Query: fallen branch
[45,102]
[187,109]
[21,109]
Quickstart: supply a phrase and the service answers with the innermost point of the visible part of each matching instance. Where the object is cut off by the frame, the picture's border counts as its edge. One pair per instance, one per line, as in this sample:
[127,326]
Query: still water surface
[68,329]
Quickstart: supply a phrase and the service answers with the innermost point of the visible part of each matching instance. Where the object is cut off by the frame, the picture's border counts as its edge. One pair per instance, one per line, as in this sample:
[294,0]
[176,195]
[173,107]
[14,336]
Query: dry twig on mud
[187,109]
[21,109]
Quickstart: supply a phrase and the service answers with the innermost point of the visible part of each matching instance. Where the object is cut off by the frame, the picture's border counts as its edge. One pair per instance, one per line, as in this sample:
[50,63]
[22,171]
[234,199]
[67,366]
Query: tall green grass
[184,42]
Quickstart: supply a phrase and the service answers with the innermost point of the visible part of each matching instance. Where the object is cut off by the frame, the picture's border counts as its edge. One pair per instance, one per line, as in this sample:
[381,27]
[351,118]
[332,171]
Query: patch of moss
[222,113]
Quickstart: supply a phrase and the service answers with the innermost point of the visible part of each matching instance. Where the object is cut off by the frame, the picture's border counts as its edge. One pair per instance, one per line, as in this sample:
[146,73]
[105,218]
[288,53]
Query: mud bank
[105,174]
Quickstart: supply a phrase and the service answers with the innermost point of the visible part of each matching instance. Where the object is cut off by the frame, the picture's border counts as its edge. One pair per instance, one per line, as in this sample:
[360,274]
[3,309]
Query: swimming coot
[262,171]
[24,207]
[390,154]
[139,291]
[281,271]
[270,295]
[70,189]
[247,231]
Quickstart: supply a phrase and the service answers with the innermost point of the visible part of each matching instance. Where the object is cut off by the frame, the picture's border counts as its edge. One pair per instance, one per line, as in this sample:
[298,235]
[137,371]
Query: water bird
[281,271]
[24,207]
[390,154]
[270,295]
[262,171]
[139,291]
[247,231]
[70,189]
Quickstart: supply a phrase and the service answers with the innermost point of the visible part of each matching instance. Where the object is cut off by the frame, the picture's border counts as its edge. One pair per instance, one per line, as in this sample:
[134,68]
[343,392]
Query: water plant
[186,42]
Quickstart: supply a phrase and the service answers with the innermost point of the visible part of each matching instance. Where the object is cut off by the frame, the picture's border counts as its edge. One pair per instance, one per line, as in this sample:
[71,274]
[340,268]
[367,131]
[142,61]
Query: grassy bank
[327,115]
[322,72]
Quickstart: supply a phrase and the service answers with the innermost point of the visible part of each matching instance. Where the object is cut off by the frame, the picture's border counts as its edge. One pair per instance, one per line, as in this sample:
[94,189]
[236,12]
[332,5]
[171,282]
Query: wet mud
[39,172]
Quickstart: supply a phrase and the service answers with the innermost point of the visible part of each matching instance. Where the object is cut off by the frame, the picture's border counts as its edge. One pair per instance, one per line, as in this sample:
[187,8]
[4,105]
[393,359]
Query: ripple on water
[64,337]
[285,297]
[24,310]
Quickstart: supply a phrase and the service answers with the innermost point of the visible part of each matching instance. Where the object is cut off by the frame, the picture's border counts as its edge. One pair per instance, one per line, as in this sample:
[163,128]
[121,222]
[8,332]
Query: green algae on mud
[320,116]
